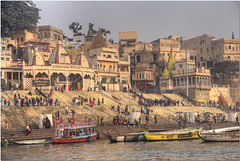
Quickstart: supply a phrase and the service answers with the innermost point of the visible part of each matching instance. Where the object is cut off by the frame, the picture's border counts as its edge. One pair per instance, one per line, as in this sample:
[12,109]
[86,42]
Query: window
[104,55]
[203,64]
[207,50]
[163,54]
[220,48]
[201,58]
[168,54]
[138,59]
[137,76]
[201,50]
[228,57]
[174,82]
[17,39]
[191,57]
[180,66]
[7,59]
[143,75]
[229,46]
[140,76]
[21,38]
[2,58]
[233,48]
[109,56]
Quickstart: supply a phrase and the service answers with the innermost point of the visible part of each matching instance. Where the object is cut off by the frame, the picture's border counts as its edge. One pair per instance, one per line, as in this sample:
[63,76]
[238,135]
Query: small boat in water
[75,132]
[31,142]
[230,134]
[130,137]
[180,134]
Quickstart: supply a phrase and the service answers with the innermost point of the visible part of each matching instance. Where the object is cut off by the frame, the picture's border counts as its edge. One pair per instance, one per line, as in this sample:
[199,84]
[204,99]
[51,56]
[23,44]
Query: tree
[90,28]
[105,32]
[76,27]
[18,15]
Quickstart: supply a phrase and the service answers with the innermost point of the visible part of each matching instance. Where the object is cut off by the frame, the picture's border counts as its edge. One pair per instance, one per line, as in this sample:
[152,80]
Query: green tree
[76,28]
[18,15]
[105,32]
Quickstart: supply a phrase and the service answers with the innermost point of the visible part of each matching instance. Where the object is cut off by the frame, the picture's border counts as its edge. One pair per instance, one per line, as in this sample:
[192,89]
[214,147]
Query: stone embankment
[19,117]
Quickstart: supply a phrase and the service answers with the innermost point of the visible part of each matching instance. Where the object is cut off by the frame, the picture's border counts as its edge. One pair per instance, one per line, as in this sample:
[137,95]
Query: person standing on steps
[27,130]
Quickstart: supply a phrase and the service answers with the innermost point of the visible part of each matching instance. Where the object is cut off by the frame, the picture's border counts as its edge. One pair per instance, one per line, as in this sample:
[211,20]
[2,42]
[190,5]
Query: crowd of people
[25,101]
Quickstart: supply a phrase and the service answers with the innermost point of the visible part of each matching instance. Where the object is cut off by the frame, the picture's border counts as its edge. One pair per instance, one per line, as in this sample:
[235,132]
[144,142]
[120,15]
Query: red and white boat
[75,132]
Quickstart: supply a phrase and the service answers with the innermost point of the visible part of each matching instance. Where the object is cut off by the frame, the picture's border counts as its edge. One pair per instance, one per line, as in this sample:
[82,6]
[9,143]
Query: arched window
[182,82]
[194,80]
[174,82]
[177,82]
[189,81]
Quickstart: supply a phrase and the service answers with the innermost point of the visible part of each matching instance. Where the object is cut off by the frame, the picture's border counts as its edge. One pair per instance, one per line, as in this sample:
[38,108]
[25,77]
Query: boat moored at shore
[181,134]
[230,134]
[75,132]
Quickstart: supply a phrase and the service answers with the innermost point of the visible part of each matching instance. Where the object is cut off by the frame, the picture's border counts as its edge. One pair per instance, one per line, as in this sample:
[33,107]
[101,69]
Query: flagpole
[186,70]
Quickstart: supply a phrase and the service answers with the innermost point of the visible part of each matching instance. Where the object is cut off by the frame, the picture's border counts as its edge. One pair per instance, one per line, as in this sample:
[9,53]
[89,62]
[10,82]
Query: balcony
[101,58]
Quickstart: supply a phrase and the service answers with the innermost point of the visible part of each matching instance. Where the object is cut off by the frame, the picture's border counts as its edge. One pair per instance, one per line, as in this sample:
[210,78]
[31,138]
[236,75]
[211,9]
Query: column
[12,76]
[19,73]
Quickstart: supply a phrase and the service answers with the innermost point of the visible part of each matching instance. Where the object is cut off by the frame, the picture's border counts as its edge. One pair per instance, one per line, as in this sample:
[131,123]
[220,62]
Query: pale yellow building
[112,72]
[59,71]
[211,51]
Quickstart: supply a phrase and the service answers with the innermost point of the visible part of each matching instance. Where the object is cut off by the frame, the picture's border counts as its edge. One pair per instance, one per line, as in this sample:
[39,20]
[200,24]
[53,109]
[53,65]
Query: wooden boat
[31,142]
[130,137]
[230,134]
[75,132]
[181,134]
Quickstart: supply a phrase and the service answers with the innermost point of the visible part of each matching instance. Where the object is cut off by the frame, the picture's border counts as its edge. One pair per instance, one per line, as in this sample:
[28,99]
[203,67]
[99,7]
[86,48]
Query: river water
[103,150]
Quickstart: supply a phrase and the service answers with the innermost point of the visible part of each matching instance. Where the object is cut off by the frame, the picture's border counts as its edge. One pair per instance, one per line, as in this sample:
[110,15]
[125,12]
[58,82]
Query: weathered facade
[59,71]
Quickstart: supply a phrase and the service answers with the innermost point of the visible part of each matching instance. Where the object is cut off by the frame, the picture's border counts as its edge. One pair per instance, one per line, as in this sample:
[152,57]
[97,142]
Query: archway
[54,77]
[28,75]
[41,75]
[76,81]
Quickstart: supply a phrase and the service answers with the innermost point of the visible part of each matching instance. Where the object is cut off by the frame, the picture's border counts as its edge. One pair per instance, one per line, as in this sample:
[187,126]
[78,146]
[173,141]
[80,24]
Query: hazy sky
[152,20]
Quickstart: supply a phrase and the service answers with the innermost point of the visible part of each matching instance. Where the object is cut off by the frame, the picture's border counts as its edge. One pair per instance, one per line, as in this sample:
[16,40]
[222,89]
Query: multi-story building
[11,71]
[112,72]
[43,37]
[163,47]
[199,80]
[211,51]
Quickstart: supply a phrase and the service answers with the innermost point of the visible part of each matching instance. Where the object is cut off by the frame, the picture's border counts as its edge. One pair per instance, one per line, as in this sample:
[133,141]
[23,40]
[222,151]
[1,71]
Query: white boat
[228,129]
[229,134]
[35,141]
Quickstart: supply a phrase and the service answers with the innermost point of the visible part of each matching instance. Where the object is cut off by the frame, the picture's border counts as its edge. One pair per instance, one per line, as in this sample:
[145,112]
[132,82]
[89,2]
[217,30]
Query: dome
[82,60]
[60,56]
[36,58]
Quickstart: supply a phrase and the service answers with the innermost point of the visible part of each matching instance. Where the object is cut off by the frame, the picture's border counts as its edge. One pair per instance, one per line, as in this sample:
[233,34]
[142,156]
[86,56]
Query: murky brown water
[103,150]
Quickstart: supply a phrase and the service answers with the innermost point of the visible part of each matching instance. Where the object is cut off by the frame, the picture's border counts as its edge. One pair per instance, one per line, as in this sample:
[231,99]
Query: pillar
[19,73]
[12,76]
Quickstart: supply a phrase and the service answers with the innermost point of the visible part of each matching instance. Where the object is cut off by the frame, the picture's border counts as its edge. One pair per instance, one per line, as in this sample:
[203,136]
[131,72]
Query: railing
[75,125]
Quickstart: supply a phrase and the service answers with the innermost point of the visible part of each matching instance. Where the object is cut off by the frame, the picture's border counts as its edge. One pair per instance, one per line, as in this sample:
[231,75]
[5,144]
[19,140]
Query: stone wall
[227,73]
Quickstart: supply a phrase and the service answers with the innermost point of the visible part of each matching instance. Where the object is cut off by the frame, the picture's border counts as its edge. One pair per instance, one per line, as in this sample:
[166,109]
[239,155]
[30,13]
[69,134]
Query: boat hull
[74,140]
[165,136]
[220,137]
[127,138]
[31,142]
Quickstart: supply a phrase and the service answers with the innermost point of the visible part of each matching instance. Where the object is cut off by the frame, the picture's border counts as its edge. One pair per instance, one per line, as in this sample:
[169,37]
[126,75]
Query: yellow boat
[181,134]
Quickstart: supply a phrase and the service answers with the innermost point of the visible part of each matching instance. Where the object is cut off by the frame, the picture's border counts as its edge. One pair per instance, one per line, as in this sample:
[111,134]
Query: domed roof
[60,56]
[82,60]
[36,58]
